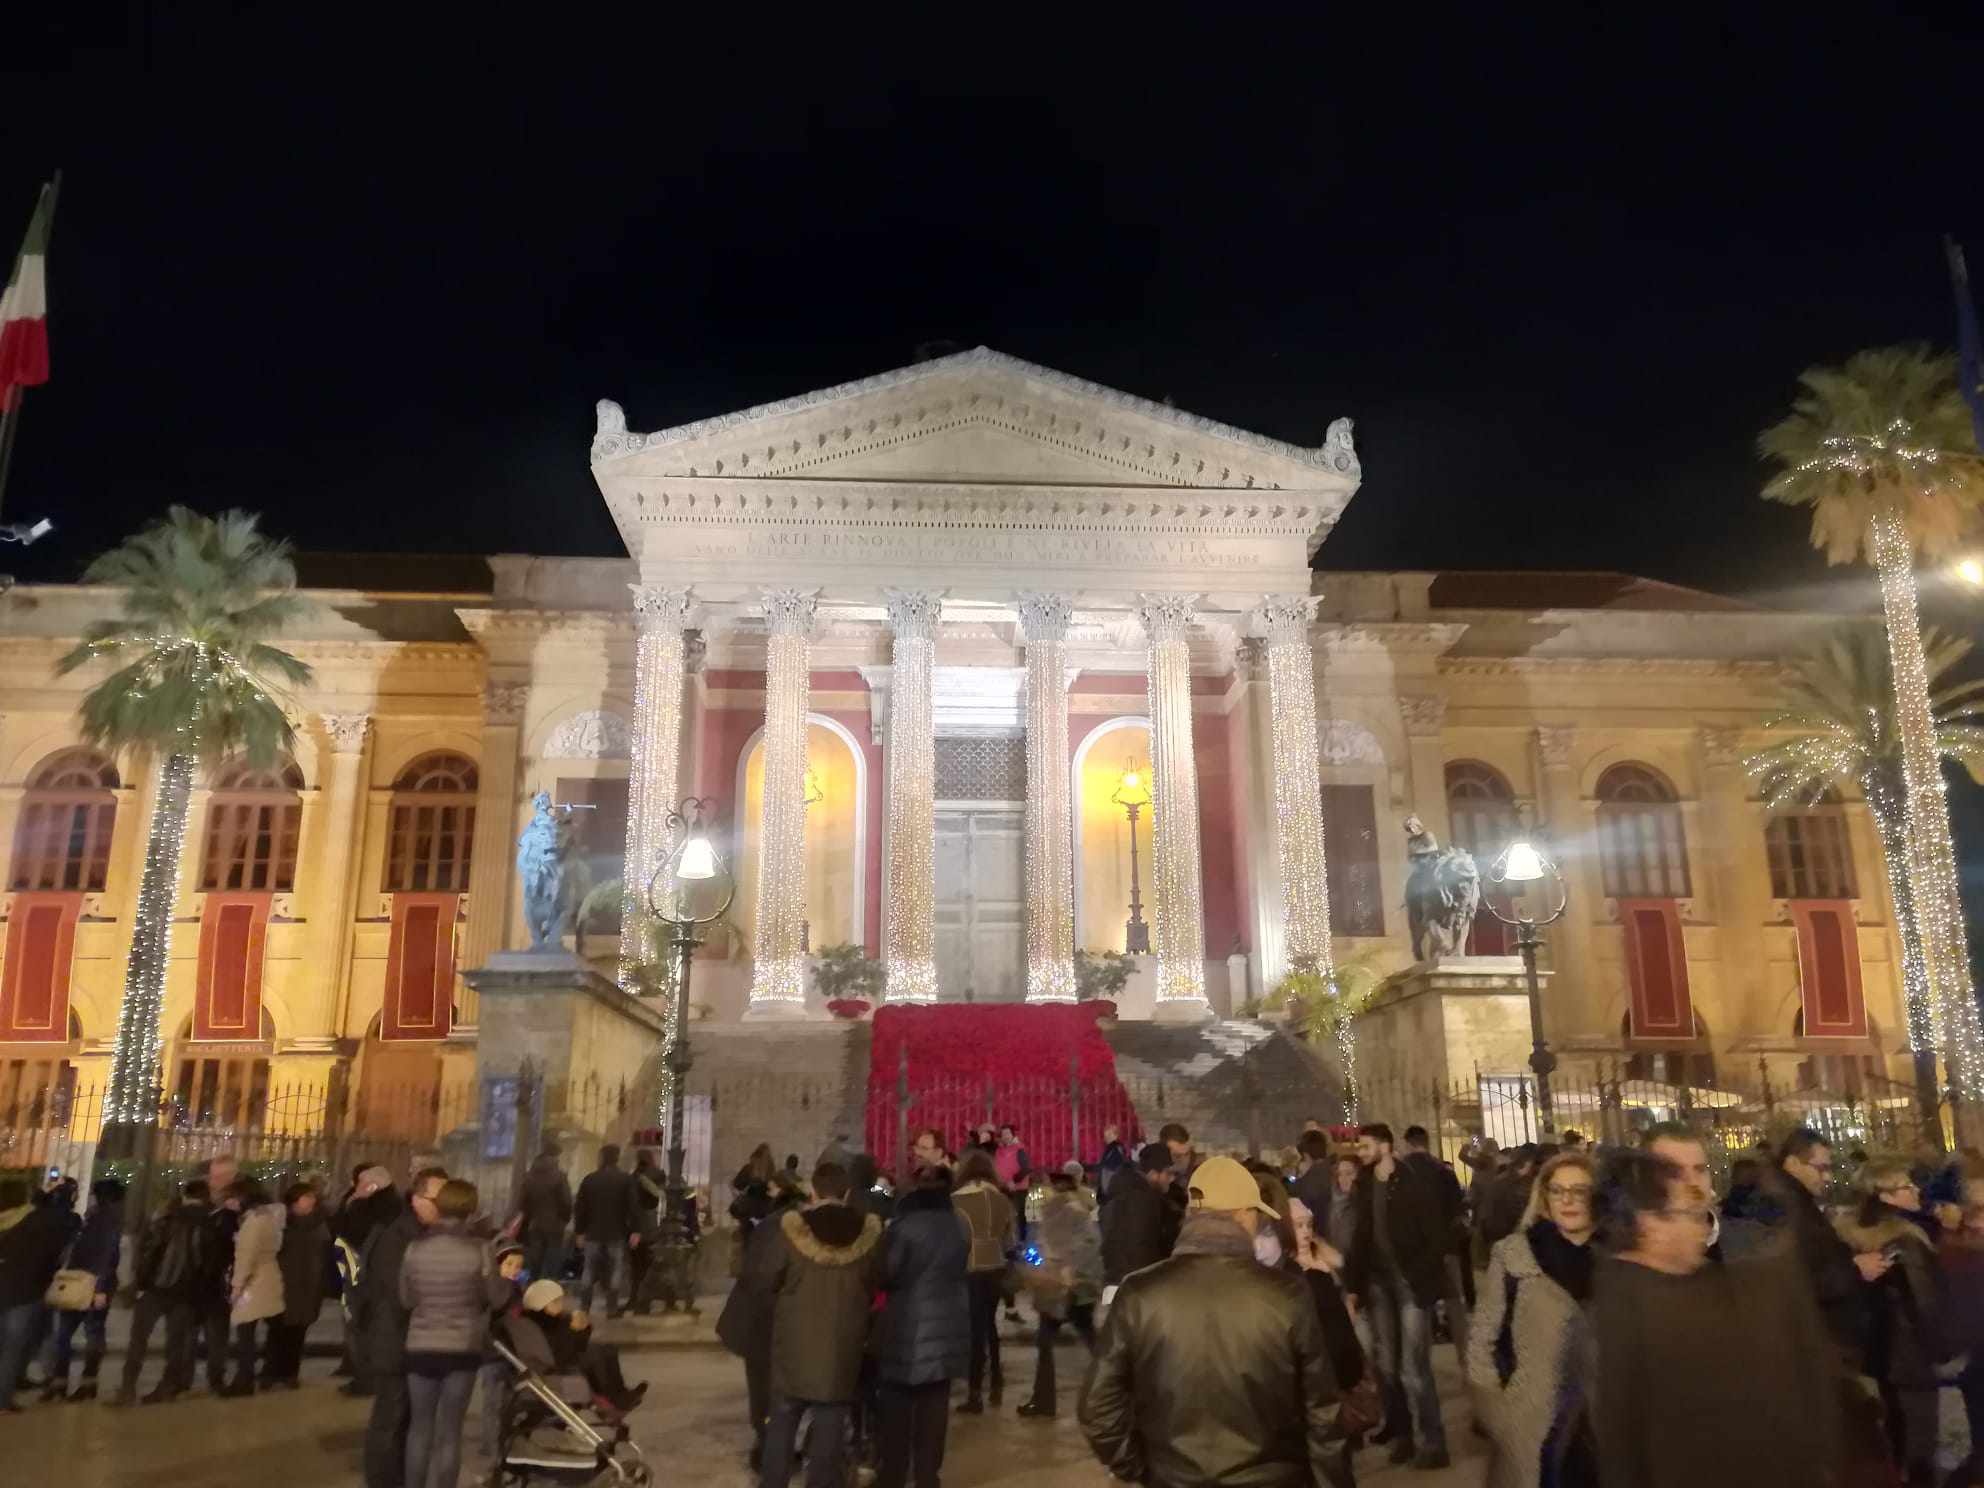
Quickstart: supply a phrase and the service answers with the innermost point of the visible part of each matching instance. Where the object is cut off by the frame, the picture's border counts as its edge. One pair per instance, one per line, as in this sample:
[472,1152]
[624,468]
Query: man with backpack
[173,1278]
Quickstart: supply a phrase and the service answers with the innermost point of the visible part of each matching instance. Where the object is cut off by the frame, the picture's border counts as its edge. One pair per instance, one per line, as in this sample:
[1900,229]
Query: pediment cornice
[1133,439]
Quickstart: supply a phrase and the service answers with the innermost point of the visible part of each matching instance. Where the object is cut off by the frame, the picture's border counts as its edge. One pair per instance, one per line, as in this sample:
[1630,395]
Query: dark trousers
[986,1287]
[177,1314]
[1971,1383]
[758,1390]
[215,1331]
[92,1323]
[283,1357]
[544,1254]
[1912,1430]
[244,1354]
[826,1448]
[914,1421]
[385,1431]
[1082,1316]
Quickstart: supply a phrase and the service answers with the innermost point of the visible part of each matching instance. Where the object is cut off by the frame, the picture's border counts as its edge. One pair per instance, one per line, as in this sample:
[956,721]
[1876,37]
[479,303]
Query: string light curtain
[662,618]
[1050,890]
[778,976]
[1177,916]
[909,959]
[1932,856]
[1283,620]
[132,1096]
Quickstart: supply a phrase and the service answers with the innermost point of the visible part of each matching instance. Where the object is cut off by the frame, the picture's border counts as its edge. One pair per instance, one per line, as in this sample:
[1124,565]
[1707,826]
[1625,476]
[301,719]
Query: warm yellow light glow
[1971,571]
[698,859]
[1129,780]
[1522,863]
[1132,788]
[814,794]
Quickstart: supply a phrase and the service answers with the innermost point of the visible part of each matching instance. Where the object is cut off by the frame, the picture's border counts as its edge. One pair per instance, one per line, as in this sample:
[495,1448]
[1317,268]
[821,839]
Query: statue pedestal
[1432,1031]
[593,1051]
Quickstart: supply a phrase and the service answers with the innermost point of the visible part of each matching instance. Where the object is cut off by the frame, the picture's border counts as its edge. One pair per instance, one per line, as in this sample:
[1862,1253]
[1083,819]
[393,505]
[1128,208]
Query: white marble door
[981,902]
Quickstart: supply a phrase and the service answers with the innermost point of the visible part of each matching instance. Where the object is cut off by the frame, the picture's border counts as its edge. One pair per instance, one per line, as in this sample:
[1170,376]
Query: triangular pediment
[977,417]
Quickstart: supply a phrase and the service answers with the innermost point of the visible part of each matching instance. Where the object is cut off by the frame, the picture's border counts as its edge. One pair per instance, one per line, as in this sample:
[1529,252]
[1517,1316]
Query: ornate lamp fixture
[1520,866]
[1133,794]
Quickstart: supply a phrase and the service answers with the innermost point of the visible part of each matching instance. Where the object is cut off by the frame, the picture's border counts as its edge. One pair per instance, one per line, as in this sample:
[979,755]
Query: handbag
[71,1291]
[1361,1409]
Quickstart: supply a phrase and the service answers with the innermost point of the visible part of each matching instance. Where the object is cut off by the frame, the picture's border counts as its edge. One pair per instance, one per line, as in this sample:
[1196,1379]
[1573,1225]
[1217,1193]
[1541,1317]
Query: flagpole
[1970,346]
[16,396]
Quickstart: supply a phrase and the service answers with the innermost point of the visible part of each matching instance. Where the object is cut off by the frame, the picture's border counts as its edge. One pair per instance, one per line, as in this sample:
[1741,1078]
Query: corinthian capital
[914,614]
[1043,616]
[1283,619]
[790,611]
[1422,714]
[1555,746]
[503,702]
[1722,748]
[1167,617]
[659,608]
[346,731]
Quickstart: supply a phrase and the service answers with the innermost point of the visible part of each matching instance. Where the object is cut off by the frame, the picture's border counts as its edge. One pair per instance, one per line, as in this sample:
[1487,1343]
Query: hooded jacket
[1138,1227]
[1212,1368]
[546,1201]
[821,1267]
[926,1326]
[255,1287]
[177,1253]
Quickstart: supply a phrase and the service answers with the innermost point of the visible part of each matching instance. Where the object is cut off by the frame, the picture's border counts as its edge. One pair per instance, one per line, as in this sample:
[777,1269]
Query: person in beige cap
[1212,1367]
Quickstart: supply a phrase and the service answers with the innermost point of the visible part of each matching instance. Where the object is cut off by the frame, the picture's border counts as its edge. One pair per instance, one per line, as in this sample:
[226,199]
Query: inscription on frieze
[966,545]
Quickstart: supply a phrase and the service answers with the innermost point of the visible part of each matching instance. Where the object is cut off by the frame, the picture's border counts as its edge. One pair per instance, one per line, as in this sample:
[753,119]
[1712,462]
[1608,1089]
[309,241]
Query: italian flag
[24,309]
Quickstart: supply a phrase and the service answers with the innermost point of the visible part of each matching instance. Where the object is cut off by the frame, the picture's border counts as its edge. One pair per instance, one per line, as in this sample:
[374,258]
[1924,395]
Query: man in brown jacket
[821,1271]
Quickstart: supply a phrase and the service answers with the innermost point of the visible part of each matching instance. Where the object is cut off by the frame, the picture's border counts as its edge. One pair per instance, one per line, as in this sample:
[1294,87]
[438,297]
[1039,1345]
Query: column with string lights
[662,620]
[910,945]
[1050,891]
[1177,913]
[778,974]
[1283,622]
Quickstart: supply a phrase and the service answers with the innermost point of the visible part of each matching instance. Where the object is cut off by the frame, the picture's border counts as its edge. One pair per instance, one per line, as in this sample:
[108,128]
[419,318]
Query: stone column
[1177,906]
[492,870]
[1573,845]
[910,923]
[662,618]
[1050,875]
[1283,620]
[778,972]
[1424,715]
[1733,838]
[333,902]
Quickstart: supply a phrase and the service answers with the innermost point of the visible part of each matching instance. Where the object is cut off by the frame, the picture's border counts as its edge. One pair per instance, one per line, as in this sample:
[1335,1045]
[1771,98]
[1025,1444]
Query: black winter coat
[1211,1369]
[926,1326]
[1828,1260]
[176,1258]
[100,1245]
[1139,1227]
[306,1246]
[606,1211]
[546,1201]
[1416,1216]
[381,1314]
[30,1253]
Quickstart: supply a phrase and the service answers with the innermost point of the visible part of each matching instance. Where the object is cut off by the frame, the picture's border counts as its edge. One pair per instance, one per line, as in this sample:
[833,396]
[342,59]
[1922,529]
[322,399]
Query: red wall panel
[420,967]
[1657,968]
[227,999]
[1829,969]
[34,985]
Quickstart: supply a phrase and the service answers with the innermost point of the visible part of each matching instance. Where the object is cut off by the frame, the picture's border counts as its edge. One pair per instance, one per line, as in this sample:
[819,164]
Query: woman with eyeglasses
[1527,1343]
[1707,1374]
[1902,1347]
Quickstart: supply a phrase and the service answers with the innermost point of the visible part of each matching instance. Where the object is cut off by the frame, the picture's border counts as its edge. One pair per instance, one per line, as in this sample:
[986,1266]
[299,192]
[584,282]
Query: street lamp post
[1519,866]
[1132,794]
[690,890]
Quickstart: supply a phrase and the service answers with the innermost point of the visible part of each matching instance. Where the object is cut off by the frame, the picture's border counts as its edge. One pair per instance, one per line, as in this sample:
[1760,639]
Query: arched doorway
[398,1088]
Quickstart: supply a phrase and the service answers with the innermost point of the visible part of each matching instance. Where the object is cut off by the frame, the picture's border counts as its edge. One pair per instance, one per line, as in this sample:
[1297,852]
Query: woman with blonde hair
[1903,1347]
[1529,1331]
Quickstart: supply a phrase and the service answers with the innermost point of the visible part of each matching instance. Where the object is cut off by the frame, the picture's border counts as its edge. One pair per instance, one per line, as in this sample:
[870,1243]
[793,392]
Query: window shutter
[420,967]
[227,999]
[34,986]
[1657,967]
[1829,969]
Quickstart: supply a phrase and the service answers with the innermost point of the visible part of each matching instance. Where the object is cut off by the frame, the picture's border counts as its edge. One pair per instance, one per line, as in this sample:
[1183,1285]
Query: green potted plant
[1100,976]
[849,979]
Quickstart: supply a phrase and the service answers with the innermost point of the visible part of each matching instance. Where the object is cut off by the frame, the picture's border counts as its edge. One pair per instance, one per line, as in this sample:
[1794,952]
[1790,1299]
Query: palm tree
[200,596]
[1843,732]
[1882,451]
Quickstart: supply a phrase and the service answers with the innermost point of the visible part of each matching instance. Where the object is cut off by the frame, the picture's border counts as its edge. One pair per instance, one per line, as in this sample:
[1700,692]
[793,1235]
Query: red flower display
[848,1007]
[1044,1068]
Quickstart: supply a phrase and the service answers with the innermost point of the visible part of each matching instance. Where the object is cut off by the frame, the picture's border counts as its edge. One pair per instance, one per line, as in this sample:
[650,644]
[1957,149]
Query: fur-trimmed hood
[831,1234]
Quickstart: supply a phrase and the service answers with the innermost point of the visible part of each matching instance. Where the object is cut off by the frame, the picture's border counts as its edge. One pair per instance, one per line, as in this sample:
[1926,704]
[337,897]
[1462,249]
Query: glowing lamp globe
[693,886]
[1522,864]
[1132,790]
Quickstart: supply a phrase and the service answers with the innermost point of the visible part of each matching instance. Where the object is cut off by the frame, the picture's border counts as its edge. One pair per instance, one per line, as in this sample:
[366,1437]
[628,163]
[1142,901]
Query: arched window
[1641,848]
[1482,809]
[252,824]
[63,841]
[1809,854]
[433,826]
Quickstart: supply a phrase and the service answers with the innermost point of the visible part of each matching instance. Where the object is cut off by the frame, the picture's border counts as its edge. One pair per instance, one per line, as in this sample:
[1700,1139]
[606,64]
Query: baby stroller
[550,1432]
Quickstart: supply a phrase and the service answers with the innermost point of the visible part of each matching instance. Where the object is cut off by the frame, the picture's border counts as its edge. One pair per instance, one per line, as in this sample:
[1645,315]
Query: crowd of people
[425,1279]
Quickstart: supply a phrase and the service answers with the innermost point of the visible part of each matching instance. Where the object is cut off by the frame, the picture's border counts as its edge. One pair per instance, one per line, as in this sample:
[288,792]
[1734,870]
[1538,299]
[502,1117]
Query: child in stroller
[564,1418]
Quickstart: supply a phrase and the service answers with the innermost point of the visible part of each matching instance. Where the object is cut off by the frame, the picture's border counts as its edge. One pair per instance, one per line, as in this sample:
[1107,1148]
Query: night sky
[369,279]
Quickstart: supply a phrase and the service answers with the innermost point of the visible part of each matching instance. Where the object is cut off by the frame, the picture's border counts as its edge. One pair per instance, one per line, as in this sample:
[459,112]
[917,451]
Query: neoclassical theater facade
[908,636]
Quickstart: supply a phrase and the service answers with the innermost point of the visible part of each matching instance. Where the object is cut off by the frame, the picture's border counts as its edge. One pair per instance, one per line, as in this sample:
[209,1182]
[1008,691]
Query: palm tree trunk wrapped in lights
[1883,453]
[1841,729]
[198,599]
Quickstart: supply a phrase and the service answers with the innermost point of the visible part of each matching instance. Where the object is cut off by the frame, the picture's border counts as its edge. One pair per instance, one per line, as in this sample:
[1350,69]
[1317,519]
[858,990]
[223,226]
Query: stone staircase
[1236,1084]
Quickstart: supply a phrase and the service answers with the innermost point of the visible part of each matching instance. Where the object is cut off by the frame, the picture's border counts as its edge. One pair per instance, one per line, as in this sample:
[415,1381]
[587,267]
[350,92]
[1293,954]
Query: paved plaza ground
[692,1428]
